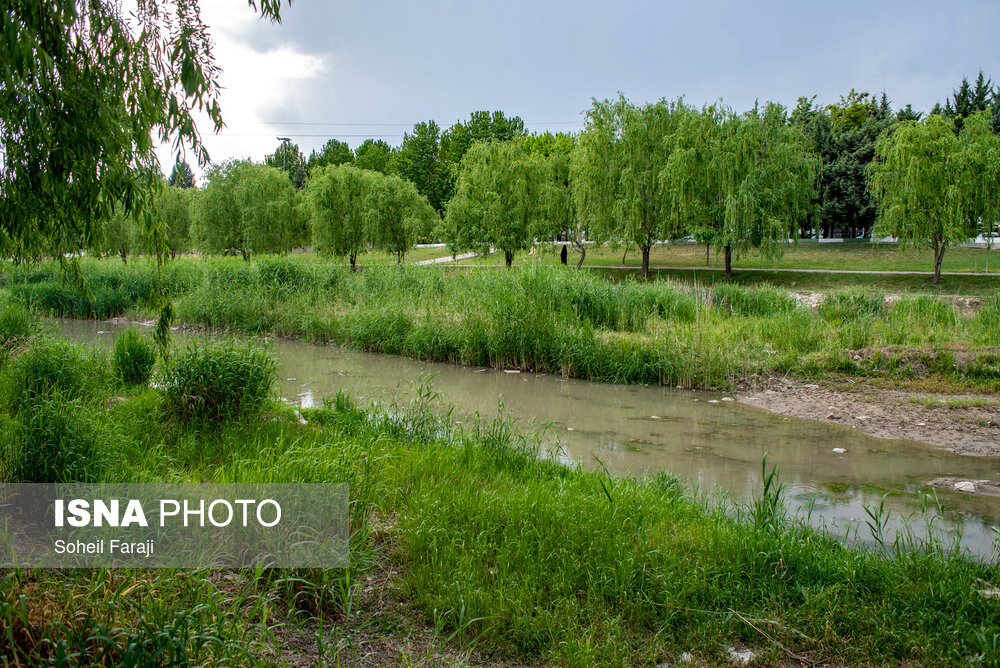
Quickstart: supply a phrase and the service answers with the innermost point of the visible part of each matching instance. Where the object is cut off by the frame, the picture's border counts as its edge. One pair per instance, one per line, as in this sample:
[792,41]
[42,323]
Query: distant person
[563,254]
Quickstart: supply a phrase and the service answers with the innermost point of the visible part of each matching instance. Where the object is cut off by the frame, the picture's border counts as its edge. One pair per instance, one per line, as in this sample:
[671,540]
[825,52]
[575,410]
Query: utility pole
[284,158]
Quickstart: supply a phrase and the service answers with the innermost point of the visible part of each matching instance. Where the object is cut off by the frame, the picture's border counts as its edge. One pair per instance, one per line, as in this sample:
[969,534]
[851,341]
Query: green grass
[557,320]
[804,255]
[493,548]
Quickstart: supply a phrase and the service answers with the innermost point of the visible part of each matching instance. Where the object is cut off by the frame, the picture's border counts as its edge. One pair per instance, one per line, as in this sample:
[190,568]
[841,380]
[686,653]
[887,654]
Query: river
[831,472]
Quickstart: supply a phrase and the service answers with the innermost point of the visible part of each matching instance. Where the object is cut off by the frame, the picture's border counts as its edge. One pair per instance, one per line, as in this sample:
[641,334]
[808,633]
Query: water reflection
[715,443]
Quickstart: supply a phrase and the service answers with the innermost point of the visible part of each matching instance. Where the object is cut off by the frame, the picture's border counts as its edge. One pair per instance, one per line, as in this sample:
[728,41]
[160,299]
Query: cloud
[255,82]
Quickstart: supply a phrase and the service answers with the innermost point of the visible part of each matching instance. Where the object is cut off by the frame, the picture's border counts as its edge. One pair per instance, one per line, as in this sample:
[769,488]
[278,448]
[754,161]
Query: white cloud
[254,82]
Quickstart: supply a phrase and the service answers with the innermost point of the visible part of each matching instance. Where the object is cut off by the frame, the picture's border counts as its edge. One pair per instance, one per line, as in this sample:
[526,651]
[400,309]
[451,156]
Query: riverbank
[466,546]
[967,424]
[553,320]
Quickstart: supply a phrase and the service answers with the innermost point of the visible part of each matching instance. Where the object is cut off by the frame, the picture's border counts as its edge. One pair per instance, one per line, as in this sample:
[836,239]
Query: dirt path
[966,424]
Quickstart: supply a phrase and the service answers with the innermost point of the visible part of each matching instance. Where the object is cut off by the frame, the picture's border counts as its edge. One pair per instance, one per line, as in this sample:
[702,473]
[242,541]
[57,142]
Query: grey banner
[153,525]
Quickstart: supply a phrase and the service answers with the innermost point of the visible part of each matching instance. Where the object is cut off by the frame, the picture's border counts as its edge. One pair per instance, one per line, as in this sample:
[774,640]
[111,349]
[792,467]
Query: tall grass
[524,559]
[551,319]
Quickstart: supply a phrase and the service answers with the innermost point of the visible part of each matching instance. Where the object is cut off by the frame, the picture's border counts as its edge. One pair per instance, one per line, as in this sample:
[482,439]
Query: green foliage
[181,176]
[288,158]
[853,305]
[134,356]
[49,367]
[88,97]
[246,208]
[498,201]
[17,326]
[744,181]
[338,201]
[173,207]
[56,443]
[934,187]
[618,178]
[759,301]
[374,155]
[216,383]
[399,216]
[418,160]
[334,152]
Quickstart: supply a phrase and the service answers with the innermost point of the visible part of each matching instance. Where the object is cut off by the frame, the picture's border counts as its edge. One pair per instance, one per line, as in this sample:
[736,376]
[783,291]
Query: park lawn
[804,255]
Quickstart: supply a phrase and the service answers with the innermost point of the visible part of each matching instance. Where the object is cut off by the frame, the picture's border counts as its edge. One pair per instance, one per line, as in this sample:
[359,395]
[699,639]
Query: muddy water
[717,444]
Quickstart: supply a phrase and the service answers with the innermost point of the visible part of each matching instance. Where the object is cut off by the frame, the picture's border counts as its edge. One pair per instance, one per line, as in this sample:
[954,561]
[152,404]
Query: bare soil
[966,424]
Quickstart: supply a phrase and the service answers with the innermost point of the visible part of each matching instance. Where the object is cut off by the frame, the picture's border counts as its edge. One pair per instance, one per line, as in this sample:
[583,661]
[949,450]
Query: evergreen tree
[181,176]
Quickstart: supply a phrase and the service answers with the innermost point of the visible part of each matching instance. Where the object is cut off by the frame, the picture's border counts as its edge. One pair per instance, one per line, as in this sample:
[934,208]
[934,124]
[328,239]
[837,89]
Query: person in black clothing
[563,255]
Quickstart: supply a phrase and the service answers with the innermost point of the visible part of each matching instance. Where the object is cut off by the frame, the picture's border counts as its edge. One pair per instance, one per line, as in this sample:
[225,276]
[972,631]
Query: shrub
[134,357]
[282,273]
[49,367]
[17,326]
[217,382]
[56,443]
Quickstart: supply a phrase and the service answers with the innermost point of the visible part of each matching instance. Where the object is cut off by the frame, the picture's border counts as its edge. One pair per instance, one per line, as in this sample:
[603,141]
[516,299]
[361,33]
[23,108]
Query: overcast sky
[350,70]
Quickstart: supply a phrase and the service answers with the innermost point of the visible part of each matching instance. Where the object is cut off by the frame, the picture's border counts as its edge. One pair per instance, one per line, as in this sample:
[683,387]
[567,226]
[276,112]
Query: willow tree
[553,153]
[934,188]
[338,200]
[398,215]
[246,208]
[742,181]
[496,202]
[618,173]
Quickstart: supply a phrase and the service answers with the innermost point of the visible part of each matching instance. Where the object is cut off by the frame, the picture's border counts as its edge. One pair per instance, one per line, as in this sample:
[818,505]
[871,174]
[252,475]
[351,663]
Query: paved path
[785,270]
[446,258]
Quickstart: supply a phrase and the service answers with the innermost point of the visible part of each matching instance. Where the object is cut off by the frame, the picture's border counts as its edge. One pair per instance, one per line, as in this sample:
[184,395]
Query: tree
[181,176]
[337,200]
[87,91]
[247,208]
[747,180]
[289,159]
[374,155]
[173,211]
[482,126]
[934,188]
[617,172]
[496,203]
[971,99]
[334,152]
[117,236]
[554,153]
[418,160]
[397,215]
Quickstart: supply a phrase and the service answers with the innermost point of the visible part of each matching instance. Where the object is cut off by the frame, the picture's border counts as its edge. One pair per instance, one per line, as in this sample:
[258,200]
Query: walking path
[785,270]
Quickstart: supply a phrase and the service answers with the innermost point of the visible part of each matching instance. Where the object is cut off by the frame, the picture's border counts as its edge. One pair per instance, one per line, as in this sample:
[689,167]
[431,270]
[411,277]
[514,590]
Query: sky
[351,70]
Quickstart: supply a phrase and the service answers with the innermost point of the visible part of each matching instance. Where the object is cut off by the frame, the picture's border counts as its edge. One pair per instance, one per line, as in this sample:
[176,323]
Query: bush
[217,382]
[49,367]
[17,326]
[282,273]
[134,357]
[57,443]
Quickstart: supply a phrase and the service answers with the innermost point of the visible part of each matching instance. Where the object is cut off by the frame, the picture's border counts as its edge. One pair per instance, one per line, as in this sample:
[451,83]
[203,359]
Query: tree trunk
[624,254]
[508,257]
[729,262]
[583,254]
[354,261]
[399,257]
[708,254]
[938,256]
[124,257]
[245,254]
[645,261]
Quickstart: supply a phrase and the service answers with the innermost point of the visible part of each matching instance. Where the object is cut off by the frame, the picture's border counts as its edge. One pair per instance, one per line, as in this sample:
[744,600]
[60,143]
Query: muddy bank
[966,424]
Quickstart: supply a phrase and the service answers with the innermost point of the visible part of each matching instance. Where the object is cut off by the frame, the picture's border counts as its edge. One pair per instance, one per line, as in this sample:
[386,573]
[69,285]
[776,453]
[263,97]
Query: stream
[831,472]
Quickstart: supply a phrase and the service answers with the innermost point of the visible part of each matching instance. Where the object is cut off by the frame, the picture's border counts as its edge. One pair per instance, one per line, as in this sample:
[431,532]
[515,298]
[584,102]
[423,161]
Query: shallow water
[635,429]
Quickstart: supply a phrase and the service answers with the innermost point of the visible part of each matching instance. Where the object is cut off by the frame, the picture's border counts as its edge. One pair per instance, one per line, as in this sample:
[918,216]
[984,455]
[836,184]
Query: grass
[493,550]
[804,255]
[557,320]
